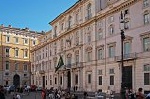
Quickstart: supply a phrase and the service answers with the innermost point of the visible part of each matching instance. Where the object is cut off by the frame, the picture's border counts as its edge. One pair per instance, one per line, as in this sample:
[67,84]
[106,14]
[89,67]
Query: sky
[33,14]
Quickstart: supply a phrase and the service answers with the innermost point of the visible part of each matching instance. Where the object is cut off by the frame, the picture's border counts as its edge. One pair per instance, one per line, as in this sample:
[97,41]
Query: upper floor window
[126,24]
[7,52]
[55,32]
[77,17]
[146,44]
[25,53]
[7,65]
[100,35]
[89,13]
[111,29]
[89,78]
[25,67]
[111,19]
[111,51]
[33,42]
[16,66]
[62,26]
[89,56]
[77,58]
[111,71]
[16,40]
[127,48]
[145,3]
[146,17]
[7,39]
[88,37]
[69,22]
[147,67]
[16,52]
[100,54]
[25,41]
[147,74]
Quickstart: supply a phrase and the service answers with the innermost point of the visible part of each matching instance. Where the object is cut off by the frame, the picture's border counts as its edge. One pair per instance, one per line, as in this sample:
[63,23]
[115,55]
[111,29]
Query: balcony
[41,71]
[74,65]
[130,56]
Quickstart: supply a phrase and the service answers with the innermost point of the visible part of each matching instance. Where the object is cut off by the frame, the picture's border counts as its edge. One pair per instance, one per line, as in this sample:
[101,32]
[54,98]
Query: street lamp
[122,22]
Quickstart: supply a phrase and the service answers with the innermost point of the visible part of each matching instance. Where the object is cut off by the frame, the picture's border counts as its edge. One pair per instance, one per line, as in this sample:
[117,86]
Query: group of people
[139,95]
[17,96]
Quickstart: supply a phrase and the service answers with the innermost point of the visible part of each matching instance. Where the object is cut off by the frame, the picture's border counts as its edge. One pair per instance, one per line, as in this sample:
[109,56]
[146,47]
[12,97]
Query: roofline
[64,12]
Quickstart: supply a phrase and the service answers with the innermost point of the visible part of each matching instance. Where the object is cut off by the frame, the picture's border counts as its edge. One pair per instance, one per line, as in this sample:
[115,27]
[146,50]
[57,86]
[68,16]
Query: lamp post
[122,22]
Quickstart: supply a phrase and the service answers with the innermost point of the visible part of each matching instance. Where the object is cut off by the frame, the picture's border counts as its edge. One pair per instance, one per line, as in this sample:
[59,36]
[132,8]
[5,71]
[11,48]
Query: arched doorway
[16,80]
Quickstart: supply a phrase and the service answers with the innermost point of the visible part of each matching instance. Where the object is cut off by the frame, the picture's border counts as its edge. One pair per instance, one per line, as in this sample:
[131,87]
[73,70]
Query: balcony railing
[129,56]
[41,71]
[74,65]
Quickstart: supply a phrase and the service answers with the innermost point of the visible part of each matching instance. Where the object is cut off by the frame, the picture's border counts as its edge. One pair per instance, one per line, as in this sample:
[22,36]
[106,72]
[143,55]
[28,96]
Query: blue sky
[34,14]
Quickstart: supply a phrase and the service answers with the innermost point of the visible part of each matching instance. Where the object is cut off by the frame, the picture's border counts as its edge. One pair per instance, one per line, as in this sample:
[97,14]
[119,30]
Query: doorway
[16,80]
[127,76]
[69,79]
[43,81]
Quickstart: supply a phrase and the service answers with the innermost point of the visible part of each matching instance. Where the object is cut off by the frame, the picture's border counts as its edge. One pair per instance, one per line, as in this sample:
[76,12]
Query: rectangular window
[25,67]
[100,72]
[89,78]
[100,35]
[89,56]
[33,42]
[111,71]
[111,51]
[100,80]
[60,80]
[145,3]
[7,39]
[7,52]
[25,41]
[146,44]
[88,38]
[146,78]
[16,40]
[16,66]
[7,65]
[147,67]
[100,54]
[146,18]
[77,58]
[55,80]
[16,53]
[76,79]
[25,53]
[112,80]
[127,47]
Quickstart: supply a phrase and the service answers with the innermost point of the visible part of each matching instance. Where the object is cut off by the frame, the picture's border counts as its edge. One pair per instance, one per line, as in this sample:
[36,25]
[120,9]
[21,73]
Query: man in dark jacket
[2,96]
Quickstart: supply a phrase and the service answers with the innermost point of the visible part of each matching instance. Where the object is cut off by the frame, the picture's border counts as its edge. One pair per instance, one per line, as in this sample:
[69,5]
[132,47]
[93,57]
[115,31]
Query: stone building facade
[15,46]
[87,36]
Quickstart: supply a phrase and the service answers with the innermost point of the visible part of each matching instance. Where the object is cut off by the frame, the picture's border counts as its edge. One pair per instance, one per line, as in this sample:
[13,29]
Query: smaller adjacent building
[15,46]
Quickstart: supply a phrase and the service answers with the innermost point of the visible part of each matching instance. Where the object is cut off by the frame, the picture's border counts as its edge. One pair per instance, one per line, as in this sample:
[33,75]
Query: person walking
[2,96]
[43,94]
[139,94]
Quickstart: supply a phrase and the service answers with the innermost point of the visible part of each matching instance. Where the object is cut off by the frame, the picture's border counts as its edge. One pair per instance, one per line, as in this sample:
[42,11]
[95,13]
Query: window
[16,52]
[146,18]
[145,3]
[100,54]
[77,58]
[126,24]
[7,39]
[111,19]
[76,79]
[89,56]
[16,66]
[55,31]
[77,17]
[111,29]
[25,67]
[89,78]
[62,26]
[7,65]
[7,52]
[89,38]
[146,44]
[146,78]
[89,14]
[50,82]
[16,40]
[100,80]
[111,71]
[100,35]
[100,72]
[147,67]
[69,22]
[25,53]
[25,41]
[111,80]
[33,42]
[55,80]
[111,51]
[60,80]
[127,47]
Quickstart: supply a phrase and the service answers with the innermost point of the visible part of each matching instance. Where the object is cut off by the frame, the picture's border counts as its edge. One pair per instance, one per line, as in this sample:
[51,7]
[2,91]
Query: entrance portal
[16,80]
[127,76]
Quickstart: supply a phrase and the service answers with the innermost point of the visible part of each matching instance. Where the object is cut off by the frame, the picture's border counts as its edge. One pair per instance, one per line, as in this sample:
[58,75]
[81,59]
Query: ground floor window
[100,80]
[112,80]
[146,78]
[76,79]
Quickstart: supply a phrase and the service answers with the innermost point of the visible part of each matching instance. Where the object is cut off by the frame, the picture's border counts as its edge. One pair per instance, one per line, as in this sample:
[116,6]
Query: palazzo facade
[87,36]
[15,46]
